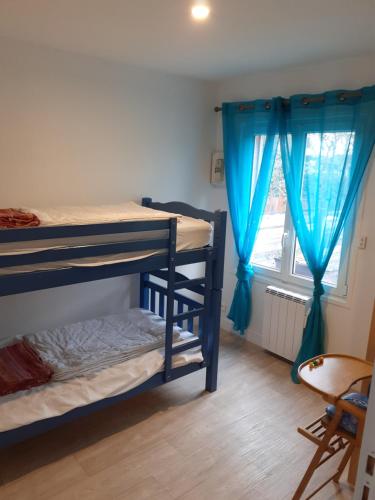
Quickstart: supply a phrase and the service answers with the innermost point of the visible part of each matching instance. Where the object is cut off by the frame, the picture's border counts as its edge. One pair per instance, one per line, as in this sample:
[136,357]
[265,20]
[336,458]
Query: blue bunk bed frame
[162,299]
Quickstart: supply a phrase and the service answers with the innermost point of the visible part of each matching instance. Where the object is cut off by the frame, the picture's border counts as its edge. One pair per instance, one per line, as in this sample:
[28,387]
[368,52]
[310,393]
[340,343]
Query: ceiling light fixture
[200,12]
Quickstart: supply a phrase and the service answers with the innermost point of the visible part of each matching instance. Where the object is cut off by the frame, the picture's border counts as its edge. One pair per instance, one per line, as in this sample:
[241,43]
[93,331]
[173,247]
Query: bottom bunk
[55,399]
[77,389]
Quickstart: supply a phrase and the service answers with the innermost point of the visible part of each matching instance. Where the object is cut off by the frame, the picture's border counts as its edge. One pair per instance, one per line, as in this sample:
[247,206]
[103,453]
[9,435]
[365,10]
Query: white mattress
[98,214]
[57,398]
[191,234]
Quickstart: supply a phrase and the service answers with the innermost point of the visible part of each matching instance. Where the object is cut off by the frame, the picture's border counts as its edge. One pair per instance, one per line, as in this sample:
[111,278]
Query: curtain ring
[305,101]
[341,97]
[267,105]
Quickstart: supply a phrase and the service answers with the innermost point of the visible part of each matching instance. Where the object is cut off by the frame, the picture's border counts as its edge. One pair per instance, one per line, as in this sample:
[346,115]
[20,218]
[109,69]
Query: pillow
[348,421]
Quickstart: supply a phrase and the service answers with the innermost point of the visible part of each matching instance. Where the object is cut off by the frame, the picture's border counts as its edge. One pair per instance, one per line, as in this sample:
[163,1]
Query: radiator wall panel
[266,328]
[283,321]
[274,323]
[298,329]
[289,327]
[281,330]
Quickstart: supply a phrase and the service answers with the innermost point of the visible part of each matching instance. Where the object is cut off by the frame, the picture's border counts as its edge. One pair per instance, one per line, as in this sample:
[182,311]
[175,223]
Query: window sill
[329,297]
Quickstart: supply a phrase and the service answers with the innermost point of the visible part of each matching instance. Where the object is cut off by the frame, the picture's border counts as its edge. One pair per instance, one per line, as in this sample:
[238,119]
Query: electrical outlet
[362,242]
[223,308]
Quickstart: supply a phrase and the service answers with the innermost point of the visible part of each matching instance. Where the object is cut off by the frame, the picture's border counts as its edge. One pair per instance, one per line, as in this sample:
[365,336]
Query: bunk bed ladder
[210,287]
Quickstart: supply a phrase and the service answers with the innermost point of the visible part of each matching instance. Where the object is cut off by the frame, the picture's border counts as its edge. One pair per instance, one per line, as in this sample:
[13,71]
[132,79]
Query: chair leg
[343,462]
[352,474]
[331,429]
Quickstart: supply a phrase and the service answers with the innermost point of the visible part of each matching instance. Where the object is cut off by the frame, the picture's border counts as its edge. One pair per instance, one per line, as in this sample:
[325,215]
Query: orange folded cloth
[21,368]
[12,217]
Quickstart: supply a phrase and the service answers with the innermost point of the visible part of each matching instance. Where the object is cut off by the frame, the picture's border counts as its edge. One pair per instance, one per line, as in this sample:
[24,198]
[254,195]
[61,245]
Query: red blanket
[21,368]
[11,217]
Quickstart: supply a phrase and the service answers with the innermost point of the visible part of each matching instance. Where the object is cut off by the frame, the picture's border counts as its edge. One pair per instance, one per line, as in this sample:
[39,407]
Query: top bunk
[80,245]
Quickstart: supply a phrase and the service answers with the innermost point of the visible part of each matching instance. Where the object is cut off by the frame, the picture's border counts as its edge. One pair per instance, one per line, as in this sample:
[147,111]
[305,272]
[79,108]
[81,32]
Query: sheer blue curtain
[248,170]
[326,142]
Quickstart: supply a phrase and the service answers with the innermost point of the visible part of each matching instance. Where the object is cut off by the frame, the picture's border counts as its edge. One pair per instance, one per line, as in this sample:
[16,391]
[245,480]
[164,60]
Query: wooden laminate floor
[176,442]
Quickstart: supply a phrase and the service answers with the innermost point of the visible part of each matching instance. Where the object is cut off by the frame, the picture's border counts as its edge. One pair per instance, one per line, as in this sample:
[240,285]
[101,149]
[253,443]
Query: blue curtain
[326,142]
[248,169]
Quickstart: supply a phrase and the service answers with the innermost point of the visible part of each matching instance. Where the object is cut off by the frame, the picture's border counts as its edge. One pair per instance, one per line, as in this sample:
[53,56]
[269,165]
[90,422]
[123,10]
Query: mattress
[57,398]
[191,234]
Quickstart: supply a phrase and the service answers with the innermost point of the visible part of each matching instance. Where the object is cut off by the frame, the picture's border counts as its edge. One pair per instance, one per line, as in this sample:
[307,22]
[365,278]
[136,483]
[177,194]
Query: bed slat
[57,254]
[186,346]
[189,314]
[14,283]
[190,321]
[179,207]
[161,305]
[152,306]
[180,310]
[79,230]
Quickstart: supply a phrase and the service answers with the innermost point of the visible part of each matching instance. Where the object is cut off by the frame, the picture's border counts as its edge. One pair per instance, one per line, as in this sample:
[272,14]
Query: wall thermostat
[217,169]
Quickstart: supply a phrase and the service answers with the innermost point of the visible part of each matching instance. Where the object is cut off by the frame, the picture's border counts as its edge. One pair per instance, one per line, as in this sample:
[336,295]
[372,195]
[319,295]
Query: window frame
[286,275]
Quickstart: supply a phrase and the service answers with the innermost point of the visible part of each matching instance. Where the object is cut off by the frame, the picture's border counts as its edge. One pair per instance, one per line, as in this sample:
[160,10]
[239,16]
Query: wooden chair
[332,376]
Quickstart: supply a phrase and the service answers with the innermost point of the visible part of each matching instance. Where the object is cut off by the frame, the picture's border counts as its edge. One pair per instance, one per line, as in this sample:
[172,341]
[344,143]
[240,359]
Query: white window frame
[286,275]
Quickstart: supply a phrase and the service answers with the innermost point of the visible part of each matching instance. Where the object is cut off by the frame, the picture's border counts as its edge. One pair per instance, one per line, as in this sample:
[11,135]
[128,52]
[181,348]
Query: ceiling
[241,36]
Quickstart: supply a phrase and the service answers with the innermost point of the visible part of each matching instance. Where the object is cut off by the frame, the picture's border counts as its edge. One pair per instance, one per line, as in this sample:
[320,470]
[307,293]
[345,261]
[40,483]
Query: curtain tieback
[318,288]
[244,271]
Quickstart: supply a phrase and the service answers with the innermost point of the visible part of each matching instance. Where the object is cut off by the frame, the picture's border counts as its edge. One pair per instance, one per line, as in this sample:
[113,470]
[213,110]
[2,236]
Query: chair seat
[349,422]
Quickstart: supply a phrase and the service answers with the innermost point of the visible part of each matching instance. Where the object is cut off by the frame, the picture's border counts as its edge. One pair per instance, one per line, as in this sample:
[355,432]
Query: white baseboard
[254,337]
[250,336]
[226,323]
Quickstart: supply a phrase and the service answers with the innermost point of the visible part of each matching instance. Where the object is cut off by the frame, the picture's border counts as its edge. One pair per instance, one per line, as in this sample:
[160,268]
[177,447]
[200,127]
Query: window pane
[325,180]
[326,173]
[268,246]
[332,273]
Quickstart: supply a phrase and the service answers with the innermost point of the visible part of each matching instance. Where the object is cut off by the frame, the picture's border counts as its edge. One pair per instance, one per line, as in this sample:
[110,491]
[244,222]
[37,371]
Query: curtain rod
[341,96]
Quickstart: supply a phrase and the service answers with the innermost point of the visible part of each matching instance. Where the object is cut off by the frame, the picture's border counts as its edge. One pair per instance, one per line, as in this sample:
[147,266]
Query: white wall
[77,130]
[80,130]
[347,323]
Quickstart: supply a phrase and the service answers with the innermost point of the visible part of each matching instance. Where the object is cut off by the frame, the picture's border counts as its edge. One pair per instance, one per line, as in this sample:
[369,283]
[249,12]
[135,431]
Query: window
[276,251]
[331,276]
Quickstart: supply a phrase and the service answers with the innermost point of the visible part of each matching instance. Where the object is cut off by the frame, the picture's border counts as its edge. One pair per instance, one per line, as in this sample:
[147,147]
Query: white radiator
[283,321]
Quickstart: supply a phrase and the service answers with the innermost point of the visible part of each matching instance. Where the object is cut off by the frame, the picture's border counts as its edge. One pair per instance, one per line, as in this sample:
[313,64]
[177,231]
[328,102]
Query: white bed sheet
[57,398]
[97,214]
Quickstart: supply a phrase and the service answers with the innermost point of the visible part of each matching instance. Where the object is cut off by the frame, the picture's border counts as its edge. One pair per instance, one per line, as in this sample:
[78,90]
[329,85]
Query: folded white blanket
[89,346]
[97,214]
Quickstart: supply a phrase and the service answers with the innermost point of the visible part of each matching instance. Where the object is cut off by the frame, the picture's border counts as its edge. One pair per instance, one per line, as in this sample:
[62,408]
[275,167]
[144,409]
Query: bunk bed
[154,257]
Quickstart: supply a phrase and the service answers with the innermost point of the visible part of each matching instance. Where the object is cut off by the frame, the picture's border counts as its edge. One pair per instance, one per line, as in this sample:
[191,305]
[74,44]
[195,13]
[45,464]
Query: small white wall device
[217,169]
